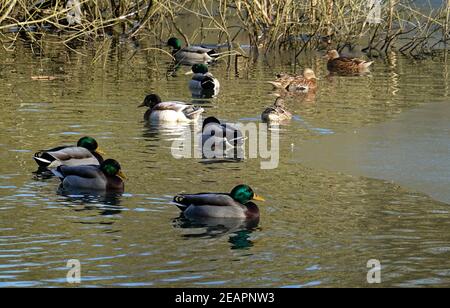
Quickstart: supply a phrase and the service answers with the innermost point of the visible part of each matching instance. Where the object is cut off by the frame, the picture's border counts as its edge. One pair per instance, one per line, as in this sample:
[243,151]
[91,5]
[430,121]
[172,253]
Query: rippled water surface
[319,226]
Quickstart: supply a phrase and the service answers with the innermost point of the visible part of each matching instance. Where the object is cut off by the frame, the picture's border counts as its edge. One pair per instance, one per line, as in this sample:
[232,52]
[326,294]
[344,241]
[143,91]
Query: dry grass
[269,24]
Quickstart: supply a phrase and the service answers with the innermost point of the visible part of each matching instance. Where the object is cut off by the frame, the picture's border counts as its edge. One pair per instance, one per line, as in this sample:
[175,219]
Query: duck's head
[151,101]
[111,167]
[90,144]
[244,194]
[174,43]
[279,102]
[309,74]
[200,68]
[332,54]
[210,120]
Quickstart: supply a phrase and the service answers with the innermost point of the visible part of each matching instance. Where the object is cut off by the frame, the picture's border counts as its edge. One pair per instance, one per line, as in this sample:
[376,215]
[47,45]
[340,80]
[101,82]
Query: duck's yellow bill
[258,198]
[122,175]
[100,151]
[189,73]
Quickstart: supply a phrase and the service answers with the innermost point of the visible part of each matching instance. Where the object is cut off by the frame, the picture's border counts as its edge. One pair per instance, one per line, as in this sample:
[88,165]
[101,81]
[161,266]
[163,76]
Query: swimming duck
[169,111]
[236,204]
[216,133]
[276,113]
[190,55]
[344,65]
[283,81]
[86,152]
[106,177]
[203,79]
[296,83]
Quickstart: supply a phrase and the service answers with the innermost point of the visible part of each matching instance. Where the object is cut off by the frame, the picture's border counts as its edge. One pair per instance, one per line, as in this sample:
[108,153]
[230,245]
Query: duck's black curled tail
[43,159]
[181,202]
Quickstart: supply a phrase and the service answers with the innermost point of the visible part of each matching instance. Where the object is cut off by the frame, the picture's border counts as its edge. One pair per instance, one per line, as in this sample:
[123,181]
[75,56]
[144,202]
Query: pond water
[319,226]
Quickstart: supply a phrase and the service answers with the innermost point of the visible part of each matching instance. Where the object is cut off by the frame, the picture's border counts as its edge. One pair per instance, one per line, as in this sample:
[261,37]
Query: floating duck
[203,79]
[224,134]
[169,111]
[236,204]
[344,65]
[299,83]
[106,177]
[86,152]
[277,113]
[190,55]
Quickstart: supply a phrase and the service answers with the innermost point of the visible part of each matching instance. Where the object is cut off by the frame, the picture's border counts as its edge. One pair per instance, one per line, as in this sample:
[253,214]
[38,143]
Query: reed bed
[372,26]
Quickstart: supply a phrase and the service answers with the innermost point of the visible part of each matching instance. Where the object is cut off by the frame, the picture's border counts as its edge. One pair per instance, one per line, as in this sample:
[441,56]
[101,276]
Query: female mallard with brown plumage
[277,113]
[86,152]
[299,83]
[345,65]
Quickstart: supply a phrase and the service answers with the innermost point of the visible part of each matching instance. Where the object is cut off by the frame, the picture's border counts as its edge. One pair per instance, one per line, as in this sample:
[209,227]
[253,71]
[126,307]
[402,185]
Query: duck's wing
[350,63]
[88,172]
[197,49]
[43,159]
[192,112]
[174,106]
[301,84]
[72,156]
[203,199]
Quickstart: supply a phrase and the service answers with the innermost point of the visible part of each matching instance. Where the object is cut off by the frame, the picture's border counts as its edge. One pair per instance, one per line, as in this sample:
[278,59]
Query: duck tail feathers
[44,163]
[193,112]
[179,201]
[367,64]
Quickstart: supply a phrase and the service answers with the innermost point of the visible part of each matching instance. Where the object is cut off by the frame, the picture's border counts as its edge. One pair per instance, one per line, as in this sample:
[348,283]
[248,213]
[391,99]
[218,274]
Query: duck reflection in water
[106,204]
[239,230]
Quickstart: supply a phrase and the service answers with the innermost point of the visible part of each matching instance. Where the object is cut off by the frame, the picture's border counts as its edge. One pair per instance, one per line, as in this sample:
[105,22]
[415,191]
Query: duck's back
[73,156]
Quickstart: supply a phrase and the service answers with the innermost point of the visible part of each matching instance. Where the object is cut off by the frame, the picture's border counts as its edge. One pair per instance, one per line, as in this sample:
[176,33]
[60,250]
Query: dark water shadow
[239,230]
[105,203]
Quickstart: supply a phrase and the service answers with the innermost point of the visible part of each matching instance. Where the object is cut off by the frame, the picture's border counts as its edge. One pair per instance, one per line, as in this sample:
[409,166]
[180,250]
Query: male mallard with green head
[86,152]
[203,79]
[106,177]
[172,112]
[191,54]
[344,65]
[236,204]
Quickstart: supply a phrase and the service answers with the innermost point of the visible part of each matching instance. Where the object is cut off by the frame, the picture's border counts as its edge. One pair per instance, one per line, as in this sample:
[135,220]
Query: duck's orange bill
[122,175]
[100,151]
[258,198]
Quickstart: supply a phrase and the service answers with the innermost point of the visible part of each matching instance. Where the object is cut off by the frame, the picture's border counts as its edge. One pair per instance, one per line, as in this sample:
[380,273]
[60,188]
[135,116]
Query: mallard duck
[191,54]
[236,204]
[276,113]
[203,79]
[86,152]
[344,65]
[169,111]
[283,81]
[106,177]
[216,133]
[298,83]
